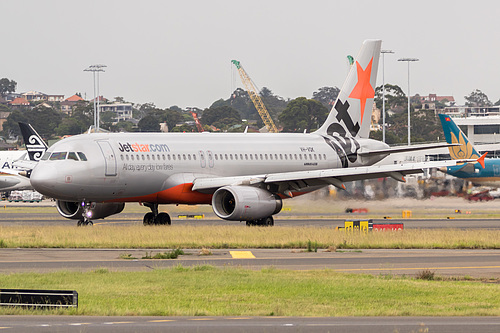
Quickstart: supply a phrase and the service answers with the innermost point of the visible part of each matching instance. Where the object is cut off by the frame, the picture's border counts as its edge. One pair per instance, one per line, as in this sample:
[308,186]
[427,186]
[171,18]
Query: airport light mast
[254,96]
[383,91]
[408,60]
[96,69]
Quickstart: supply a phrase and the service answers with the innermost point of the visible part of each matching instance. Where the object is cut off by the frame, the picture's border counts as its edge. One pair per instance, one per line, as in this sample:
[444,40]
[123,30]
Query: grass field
[217,237]
[208,291]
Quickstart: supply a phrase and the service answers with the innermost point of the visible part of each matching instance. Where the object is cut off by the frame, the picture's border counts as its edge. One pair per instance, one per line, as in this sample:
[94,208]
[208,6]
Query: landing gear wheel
[268,221]
[149,219]
[163,219]
[84,222]
[265,222]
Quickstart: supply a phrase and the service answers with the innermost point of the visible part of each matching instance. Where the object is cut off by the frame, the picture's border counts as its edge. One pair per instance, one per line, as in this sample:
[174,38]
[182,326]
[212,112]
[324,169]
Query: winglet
[481,159]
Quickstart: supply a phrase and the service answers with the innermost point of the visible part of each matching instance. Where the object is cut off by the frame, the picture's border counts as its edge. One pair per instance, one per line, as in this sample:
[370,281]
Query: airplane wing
[299,180]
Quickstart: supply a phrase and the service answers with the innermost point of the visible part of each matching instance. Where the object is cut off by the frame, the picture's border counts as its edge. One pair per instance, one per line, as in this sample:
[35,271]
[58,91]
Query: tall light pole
[383,91]
[96,69]
[408,60]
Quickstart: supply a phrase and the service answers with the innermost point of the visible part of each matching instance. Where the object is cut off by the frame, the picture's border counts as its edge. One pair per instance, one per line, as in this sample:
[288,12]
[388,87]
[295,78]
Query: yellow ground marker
[160,321]
[242,254]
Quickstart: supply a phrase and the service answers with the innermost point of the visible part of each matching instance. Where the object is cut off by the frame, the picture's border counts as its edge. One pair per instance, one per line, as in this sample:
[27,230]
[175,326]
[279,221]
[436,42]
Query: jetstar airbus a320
[243,176]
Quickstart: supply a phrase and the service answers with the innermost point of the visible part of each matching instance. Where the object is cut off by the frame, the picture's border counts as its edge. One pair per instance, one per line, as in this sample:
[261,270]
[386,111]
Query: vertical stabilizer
[454,134]
[351,113]
[34,143]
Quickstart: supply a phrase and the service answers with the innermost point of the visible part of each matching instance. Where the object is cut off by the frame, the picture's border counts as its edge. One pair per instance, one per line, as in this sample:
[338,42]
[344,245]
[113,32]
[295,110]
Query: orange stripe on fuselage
[180,194]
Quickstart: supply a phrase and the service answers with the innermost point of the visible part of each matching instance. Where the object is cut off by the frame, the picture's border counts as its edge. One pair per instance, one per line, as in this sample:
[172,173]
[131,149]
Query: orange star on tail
[363,89]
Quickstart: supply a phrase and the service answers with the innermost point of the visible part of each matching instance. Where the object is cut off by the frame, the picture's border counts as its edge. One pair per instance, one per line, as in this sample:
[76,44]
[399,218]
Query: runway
[35,324]
[474,263]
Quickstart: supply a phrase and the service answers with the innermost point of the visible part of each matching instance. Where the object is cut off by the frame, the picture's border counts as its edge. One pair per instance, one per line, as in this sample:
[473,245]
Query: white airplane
[244,176]
[15,163]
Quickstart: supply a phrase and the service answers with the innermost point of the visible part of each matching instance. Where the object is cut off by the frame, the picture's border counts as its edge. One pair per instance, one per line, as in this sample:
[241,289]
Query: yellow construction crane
[254,96]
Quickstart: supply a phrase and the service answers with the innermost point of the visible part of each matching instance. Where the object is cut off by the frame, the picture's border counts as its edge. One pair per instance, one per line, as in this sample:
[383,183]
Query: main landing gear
[264,222]
[155,218]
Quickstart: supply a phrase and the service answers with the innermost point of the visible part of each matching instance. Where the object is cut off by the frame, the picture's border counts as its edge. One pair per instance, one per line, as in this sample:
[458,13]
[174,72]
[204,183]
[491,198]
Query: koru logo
[35,147]
[345,147]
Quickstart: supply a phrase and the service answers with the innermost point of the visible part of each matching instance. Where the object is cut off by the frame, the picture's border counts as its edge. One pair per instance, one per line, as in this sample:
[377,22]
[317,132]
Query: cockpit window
[72,156]
[82,156]
[46,156]
[58,156]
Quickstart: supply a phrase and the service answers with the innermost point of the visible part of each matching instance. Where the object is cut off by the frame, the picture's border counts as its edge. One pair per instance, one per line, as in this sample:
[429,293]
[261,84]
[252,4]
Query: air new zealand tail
[35,146]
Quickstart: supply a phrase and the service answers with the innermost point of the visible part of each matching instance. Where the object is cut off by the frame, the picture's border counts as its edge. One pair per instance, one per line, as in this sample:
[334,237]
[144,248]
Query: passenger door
[109,158]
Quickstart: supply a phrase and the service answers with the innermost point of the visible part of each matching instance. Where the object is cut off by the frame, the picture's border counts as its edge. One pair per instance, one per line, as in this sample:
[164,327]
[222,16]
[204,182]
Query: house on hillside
[69,104]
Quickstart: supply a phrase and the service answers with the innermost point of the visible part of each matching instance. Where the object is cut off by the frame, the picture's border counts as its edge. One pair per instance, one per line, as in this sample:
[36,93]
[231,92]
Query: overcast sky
[180,52]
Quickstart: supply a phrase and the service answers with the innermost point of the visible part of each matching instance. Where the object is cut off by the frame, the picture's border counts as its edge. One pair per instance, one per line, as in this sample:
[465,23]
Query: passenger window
[231,156]
[324,157]
[121,156]
[189,157]
[270,156]
[127,157]
[246,157]
[147,156]
[194,157]
[132,157]
[184,157]
[144,157]
[173,156]
[315,156]
[179,157]
[281,156]
[265,156]
[235,156]
[295,156]
[72,156]
[251,156]
[300,156]
[82,156]
[216,157]
[153,157]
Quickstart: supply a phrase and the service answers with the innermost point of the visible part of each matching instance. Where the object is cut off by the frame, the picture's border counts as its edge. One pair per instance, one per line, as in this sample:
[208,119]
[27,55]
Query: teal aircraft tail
[454,134]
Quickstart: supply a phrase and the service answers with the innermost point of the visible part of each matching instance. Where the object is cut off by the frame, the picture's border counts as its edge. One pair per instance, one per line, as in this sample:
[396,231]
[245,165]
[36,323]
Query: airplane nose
[44,179]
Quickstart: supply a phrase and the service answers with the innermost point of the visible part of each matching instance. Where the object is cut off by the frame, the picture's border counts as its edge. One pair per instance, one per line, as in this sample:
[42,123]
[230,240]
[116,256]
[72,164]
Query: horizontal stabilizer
[405,149]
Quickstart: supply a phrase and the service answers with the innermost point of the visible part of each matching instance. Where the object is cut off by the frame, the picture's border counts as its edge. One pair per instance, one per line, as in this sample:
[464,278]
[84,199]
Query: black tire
[269,221]
[149,219]
[163,219]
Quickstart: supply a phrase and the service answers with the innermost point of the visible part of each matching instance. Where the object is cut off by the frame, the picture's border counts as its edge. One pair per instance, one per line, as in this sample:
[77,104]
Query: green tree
[7,86]
[477,98]
[149,123]
[303,114]
[326,96]
[43,119]
[221,117]
[395,98]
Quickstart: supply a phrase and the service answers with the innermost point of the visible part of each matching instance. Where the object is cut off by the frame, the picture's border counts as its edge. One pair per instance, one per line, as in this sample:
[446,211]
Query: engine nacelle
[245,203]
[74,210]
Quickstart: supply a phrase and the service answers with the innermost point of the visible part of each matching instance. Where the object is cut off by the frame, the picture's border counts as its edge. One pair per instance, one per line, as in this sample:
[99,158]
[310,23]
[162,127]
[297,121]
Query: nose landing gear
[86,214]
[155,218]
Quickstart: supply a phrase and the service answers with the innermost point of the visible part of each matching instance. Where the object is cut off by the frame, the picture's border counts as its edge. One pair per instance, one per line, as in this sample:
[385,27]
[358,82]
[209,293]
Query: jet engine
[74,210]
[245,203]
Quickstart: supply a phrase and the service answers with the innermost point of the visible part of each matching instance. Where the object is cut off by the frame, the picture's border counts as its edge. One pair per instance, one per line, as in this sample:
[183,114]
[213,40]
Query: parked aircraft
[244,176]
[486,172]
[14,163]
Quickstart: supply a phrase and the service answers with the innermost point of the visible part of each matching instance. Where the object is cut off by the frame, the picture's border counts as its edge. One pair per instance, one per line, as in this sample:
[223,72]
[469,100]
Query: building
[482,122]
[69,104]
[35,96]
[429,102]
[123,111]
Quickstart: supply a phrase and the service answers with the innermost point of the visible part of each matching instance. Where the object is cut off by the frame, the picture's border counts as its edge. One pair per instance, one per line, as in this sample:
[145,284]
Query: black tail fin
[35,146]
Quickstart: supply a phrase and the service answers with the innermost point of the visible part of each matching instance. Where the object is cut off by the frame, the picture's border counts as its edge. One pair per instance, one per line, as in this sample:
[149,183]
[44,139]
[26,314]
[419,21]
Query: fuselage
[161,167]
[489,176]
